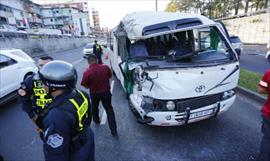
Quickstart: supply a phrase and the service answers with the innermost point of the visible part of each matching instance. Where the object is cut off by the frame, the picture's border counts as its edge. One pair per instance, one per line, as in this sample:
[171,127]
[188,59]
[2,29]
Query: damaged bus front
[175,68]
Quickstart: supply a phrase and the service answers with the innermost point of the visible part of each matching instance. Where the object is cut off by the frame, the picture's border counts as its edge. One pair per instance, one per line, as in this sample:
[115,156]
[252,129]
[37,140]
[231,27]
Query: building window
[51,20]
[69,11]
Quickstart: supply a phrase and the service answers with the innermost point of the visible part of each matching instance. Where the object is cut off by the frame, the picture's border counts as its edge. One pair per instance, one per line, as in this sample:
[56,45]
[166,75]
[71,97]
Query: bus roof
[140,24]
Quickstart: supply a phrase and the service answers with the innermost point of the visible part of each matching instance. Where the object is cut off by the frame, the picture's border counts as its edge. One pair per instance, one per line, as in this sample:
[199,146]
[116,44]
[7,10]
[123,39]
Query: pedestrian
[97,50]
[264,88]
[65,122]
[97,79]
[33,96]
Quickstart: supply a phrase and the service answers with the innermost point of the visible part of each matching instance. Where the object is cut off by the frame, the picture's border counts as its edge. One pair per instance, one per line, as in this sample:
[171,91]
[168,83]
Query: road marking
[103,118]
[112,85]
[77,62]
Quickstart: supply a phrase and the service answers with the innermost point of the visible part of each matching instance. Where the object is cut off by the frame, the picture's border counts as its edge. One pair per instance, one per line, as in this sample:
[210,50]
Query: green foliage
[171,7]
[249,80]
[214,8]
[257,20]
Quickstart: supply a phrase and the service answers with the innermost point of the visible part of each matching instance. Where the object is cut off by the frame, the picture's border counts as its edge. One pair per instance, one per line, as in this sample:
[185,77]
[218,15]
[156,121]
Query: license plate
[201,114]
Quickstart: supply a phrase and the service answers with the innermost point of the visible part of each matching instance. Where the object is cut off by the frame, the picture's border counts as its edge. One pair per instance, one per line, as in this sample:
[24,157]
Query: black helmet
[58,74]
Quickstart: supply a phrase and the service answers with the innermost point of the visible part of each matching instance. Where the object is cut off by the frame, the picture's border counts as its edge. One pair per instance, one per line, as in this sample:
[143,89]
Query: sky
[112,11]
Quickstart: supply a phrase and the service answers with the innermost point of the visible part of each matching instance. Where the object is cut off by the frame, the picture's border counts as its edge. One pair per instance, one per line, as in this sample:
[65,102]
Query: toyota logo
[200,88]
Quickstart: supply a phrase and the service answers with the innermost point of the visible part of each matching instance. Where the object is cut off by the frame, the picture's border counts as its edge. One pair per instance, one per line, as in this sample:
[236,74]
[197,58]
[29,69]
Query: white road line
[103,118]
[77,61]
[112,85]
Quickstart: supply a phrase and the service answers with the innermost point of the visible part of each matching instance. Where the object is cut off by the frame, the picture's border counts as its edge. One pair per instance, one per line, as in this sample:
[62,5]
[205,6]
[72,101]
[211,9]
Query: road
[253,58]
[232,136]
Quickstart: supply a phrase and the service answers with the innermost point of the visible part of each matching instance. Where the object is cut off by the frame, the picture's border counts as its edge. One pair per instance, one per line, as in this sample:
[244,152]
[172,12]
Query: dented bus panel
[175,68]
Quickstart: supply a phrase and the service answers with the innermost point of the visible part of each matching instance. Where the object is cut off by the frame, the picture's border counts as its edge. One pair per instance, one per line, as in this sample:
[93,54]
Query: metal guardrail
[7,34]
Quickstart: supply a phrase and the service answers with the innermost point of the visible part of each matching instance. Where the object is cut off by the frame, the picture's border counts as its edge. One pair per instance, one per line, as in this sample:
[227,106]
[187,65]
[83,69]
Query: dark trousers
[106,99]
[265,144]
[99,58]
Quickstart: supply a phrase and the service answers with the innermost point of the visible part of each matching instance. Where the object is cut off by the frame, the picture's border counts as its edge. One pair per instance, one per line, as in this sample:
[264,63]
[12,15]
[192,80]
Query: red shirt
[97,78]
[265,83]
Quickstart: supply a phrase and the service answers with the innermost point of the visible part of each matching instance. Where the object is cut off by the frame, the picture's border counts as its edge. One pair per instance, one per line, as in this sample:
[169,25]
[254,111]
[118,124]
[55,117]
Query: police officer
[65,122]
[33,96]
[97,50]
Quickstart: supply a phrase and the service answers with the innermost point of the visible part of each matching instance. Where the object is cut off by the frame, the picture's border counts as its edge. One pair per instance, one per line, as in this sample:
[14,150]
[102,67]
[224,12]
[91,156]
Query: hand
[39,130]
[34,120]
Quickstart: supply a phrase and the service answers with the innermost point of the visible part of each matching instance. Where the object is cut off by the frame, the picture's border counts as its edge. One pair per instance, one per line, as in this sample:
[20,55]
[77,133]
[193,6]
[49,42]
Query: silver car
[87,50]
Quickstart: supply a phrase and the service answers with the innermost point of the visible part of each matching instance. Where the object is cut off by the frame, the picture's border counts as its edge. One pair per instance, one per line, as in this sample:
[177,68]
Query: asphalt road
[253,58]
[232,136]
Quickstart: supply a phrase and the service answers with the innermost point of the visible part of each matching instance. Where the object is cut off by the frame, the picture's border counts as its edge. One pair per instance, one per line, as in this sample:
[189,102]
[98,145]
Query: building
[14,14]
[22,14]
[83,6]
[68,19]
[105,30]
[34,17]
[71,18]
[95,19]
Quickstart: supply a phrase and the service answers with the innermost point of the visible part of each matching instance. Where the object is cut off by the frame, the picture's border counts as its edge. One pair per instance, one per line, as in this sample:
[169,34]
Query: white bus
[175,68]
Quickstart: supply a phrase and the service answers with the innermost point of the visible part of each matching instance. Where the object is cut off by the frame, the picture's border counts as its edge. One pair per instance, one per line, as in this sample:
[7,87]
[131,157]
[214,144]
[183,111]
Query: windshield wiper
[147,57]
[203,50]
[188,55]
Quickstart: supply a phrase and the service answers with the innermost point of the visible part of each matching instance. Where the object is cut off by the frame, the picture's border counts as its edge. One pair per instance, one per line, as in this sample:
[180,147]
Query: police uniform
[65,122]
[97,50]
[33,96]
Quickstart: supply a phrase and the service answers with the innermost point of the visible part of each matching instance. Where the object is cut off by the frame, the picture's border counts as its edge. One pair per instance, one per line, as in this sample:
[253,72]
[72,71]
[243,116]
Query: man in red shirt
[97,79]
[264,88]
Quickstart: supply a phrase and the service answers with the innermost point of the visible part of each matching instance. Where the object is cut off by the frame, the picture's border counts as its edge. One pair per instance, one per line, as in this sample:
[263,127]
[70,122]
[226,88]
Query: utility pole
[156,5]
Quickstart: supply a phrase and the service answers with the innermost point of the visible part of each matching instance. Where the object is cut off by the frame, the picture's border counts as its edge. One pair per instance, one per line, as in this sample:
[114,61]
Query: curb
[250,94]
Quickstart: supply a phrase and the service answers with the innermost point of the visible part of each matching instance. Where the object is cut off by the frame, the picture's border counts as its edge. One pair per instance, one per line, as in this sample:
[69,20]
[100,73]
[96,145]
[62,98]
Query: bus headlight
[228,94]
[170,105]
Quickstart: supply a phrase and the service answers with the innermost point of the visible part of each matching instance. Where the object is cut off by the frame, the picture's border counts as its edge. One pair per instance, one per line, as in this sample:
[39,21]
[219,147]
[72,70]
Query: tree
[210,8]
[247,5]
[180,5]
[266,2]
[172,6]
[237,5]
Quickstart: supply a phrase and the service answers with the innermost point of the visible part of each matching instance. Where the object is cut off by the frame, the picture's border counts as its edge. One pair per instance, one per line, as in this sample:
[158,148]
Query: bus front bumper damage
[178,117]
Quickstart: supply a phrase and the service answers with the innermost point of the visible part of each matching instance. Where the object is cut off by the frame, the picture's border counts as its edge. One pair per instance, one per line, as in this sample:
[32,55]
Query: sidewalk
[255,48]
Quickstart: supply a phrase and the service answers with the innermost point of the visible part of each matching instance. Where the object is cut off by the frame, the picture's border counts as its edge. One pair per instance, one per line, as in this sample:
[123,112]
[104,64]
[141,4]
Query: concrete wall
[39,46]
[252,29]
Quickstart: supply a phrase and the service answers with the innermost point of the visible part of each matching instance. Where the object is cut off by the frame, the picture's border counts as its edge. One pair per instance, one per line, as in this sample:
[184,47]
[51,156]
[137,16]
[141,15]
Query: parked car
[15,66]
[88,49]
[234,40]
[175,68]
[267,56]
[237,44]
